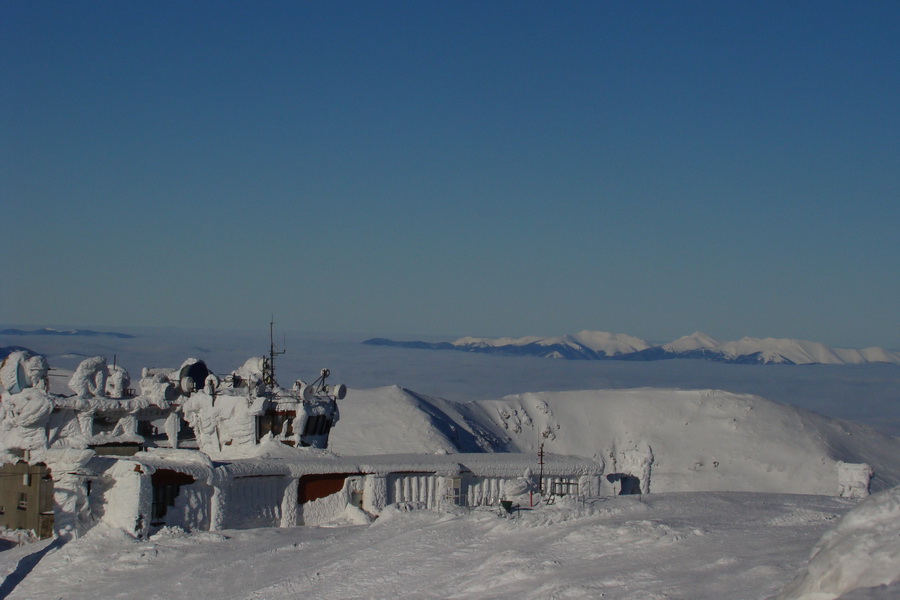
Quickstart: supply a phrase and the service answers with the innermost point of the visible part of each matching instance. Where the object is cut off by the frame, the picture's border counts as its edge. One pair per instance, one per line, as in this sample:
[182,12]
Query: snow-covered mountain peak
[696,341]
[601,345]
[610,343]
[496,342]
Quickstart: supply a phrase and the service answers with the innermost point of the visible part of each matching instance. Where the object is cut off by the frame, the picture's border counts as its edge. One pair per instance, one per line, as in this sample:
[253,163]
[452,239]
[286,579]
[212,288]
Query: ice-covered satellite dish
[306,391]
[13,373]
[340,391]
[211,383]
[196,373]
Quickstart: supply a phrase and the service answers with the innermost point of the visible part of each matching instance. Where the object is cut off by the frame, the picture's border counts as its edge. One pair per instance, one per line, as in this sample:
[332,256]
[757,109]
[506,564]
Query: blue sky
[500,168]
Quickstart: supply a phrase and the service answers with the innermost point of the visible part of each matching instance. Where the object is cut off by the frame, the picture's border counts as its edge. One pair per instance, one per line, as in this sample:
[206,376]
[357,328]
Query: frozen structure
[79,439]
[186,407]
[193,449]
[283,488]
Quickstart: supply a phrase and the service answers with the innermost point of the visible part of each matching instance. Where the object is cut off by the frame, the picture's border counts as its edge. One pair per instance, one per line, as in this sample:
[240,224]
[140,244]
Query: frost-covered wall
[129,500]
[192,509]
[421,488]
[375,494]
[484,490]
[252,501]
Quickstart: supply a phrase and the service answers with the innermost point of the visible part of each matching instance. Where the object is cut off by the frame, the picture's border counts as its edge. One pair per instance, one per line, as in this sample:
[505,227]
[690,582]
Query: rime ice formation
[21,370]
[85,439]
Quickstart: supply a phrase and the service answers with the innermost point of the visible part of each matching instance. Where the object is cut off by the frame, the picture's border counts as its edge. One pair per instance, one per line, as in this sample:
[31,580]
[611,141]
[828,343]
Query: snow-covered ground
[691,546]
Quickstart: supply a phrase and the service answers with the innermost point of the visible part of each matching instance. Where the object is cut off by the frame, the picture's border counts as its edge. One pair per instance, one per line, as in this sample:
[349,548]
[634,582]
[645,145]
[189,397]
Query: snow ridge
[672,440]
[599,345]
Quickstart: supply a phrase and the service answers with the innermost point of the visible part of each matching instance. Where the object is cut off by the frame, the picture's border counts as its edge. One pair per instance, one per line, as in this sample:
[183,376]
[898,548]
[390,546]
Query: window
[166,486]
[276,423]
[23,501]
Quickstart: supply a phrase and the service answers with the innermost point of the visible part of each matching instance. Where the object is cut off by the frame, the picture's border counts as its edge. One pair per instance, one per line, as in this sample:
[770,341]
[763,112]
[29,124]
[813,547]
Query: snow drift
[861,551]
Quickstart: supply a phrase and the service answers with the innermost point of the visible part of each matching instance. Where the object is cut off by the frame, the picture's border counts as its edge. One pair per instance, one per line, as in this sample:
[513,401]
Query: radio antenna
[269,367]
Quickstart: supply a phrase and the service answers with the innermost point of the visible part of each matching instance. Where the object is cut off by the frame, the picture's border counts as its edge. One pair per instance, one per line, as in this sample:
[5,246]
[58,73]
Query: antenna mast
[269,367]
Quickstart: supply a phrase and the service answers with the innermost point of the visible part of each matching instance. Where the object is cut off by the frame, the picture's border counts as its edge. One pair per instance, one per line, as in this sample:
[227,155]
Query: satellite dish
[13,374]
[187,385]
[340,391]
[210,384]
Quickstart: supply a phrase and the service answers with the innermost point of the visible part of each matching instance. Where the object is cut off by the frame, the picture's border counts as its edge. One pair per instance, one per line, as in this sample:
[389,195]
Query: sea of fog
[867,394]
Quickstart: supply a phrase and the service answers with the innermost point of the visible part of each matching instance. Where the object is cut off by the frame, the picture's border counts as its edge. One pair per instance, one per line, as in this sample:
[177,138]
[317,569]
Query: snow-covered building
[282,488]
[193,449]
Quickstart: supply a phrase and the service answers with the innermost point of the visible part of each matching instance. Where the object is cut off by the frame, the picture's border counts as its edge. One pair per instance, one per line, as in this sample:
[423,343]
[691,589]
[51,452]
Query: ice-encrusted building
[192,449]
[283,489]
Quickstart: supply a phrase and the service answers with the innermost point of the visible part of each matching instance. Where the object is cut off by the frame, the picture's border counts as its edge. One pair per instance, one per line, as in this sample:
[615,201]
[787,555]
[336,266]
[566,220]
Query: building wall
[253,501]
[192,508]
[426,489]
[26,498]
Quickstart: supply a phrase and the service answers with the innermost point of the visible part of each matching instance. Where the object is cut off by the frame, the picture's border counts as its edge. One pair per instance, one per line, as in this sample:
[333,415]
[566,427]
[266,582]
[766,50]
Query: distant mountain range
[78,332]
[599,345]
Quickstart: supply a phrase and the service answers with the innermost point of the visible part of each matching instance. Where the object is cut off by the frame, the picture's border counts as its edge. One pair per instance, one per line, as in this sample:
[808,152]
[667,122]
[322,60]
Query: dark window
[104,424]
[313,487]
[311,424]
[166,485]
[275,423]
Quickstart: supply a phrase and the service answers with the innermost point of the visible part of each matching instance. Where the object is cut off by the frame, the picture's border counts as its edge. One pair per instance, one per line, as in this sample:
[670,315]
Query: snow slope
[393,420]
[700,440]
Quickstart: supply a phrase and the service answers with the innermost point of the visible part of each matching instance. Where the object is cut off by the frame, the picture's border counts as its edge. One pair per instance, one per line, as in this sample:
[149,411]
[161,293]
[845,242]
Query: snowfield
[691,546]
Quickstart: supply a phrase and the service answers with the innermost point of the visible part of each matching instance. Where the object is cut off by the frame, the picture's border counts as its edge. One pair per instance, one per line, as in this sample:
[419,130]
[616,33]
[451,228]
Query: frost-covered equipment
[301,416]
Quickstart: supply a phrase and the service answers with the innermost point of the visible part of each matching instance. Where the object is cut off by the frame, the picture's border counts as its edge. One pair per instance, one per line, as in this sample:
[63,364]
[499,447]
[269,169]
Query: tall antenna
[269,366]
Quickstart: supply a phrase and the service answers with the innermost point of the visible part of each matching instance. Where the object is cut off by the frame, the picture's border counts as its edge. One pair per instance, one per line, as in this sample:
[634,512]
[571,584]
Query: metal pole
[541,476]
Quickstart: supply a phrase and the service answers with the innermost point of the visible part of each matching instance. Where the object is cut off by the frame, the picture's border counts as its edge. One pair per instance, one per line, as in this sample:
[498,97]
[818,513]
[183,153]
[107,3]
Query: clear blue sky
[484,168]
